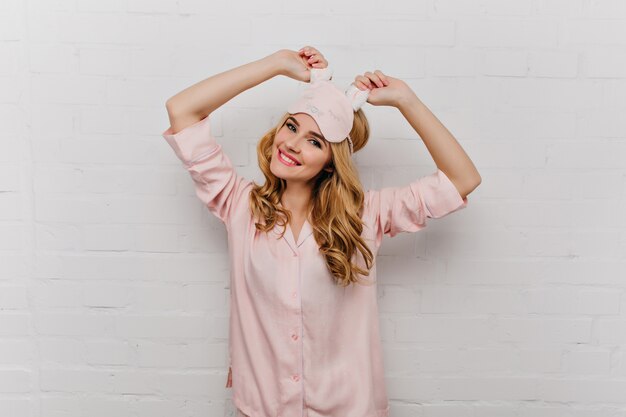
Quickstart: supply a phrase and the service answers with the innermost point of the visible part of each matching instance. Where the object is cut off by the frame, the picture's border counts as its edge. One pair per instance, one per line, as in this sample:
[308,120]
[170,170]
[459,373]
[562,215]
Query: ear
[329,169]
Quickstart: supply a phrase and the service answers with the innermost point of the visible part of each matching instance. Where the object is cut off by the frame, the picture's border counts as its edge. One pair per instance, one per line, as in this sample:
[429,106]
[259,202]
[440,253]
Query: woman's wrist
[407,100]
[274,63]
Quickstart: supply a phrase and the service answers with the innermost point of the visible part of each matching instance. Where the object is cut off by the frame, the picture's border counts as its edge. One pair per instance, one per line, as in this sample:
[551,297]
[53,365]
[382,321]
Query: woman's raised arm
[448,154]
[201,99]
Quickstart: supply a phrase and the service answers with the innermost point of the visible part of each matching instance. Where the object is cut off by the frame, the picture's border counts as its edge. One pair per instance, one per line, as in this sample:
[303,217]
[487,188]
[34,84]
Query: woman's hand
[384,90]
[298,64]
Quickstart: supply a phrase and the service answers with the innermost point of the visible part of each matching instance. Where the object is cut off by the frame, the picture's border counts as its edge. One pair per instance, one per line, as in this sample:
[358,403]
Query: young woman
[303,335]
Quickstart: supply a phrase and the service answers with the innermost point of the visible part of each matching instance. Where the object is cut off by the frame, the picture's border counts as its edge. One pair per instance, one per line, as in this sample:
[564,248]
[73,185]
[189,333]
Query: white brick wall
[114,278]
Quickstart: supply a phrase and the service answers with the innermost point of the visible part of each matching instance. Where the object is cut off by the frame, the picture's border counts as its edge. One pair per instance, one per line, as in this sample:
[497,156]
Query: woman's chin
[278,173]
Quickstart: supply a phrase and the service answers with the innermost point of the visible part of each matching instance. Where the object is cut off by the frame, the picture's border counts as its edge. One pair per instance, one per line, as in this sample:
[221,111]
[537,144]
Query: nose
[293,143]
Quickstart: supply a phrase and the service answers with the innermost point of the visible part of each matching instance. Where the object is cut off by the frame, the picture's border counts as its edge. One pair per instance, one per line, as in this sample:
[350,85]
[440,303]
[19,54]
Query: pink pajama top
[300,345]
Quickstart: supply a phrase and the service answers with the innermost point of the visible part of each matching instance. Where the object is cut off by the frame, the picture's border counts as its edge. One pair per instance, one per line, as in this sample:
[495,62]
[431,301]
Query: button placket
[295,334]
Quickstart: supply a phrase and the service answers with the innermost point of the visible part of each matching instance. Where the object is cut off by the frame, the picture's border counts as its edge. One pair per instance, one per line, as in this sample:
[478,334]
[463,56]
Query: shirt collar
[305,232]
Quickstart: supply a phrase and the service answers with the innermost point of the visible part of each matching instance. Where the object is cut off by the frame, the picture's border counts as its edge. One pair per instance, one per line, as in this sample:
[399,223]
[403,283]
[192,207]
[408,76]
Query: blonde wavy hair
[335,208]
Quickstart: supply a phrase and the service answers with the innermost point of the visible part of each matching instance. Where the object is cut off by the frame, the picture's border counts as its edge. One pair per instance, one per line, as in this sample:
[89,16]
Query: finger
[372,78]
[378,79]
[316,57]
[309,50]
[364,80]
[375,78]
[382,76]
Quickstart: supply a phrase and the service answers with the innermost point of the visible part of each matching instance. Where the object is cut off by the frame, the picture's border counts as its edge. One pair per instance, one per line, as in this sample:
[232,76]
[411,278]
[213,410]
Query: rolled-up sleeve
[405,209]
[216,182]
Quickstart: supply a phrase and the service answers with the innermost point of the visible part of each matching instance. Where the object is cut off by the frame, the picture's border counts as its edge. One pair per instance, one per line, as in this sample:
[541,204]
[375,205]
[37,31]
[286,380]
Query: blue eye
[289,126]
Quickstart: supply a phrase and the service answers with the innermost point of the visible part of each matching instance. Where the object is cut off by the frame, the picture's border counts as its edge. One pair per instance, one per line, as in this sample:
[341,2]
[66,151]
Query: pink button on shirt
[299,344]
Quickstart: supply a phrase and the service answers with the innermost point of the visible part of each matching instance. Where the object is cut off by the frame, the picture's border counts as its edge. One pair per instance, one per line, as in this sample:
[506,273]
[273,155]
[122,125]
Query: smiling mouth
[286,160]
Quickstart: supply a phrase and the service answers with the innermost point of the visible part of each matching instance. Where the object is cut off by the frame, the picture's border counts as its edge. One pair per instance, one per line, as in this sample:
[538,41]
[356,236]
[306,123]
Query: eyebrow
[310,131]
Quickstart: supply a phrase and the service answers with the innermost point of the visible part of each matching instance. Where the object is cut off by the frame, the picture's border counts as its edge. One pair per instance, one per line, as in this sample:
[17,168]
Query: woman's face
[300,138]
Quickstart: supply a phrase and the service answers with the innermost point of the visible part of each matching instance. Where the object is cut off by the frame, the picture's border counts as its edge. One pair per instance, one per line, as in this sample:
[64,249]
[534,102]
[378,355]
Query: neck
[296,198]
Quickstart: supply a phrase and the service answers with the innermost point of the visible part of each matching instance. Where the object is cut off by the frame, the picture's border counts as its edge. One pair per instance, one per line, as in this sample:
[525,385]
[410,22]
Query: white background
[114,277]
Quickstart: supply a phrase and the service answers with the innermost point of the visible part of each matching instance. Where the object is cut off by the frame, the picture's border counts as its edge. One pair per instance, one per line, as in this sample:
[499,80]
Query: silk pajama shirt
[299,344]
